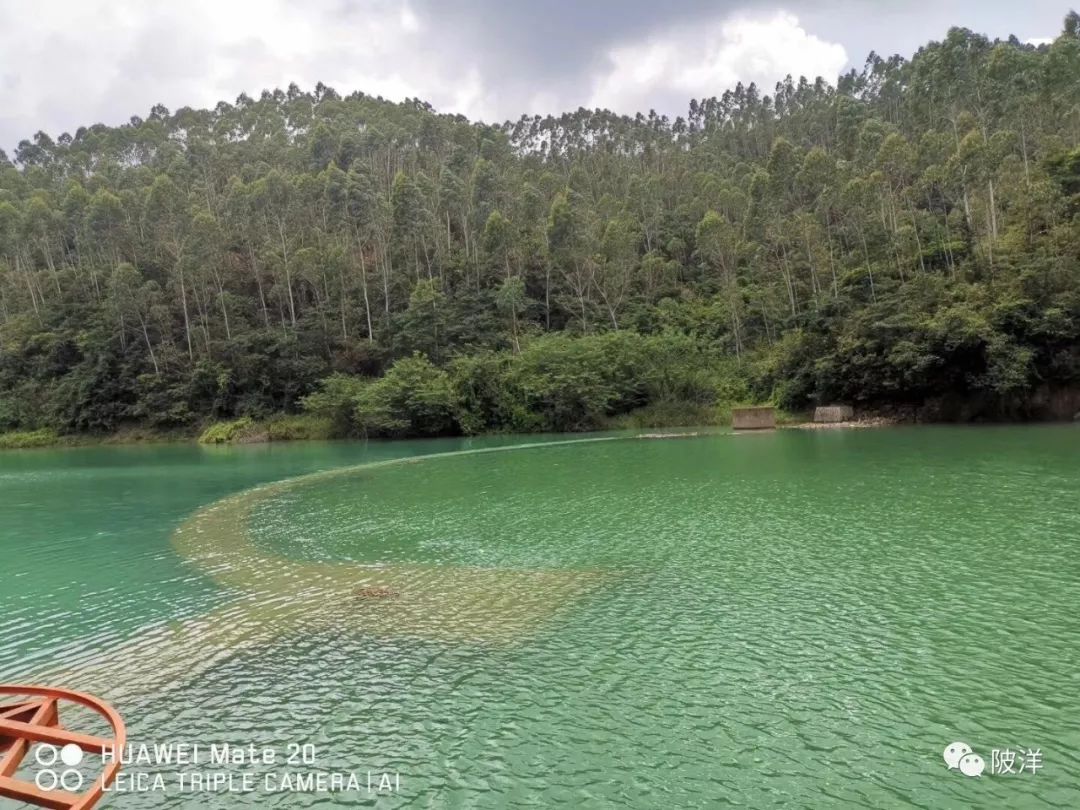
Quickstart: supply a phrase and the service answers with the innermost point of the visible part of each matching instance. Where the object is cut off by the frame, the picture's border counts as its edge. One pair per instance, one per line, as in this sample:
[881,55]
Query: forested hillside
[910,235]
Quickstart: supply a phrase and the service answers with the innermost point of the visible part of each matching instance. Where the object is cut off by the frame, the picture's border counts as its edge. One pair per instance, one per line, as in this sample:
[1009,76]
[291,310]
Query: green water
[791,619]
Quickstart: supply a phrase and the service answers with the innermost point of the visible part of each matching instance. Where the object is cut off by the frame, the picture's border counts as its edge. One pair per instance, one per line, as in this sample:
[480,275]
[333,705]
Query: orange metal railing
[34,717]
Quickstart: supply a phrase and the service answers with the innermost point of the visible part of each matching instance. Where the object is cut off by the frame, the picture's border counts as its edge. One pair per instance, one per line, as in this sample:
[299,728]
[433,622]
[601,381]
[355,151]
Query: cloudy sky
[69,63]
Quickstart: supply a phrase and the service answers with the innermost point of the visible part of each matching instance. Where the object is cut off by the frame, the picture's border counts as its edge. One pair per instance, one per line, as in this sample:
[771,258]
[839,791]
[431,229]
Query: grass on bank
[309,427]
[683,414]
[25,439]
[132,434]
[282,428]
[668,415]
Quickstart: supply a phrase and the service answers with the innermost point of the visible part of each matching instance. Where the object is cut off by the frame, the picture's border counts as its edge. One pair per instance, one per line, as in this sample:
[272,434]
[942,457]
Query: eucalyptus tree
[167,218]
[571,243]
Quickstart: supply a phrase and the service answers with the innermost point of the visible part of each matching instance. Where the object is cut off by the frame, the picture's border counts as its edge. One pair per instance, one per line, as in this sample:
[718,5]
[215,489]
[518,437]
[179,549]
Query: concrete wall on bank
[761,418]
[833,413]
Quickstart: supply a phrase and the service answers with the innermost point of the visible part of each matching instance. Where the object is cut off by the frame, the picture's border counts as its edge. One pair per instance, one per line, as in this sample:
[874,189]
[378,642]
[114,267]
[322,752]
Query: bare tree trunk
[344,326]
[786,271]
[187,319]
[993,213]
[203,317]
[1024,151]
[29,285]
[547,295]
[832,259]
[918,240]
[813,273]
[367,304]
[259,284]
[221,302]
[288,276]
[149,345]
[387,269]
[869,270]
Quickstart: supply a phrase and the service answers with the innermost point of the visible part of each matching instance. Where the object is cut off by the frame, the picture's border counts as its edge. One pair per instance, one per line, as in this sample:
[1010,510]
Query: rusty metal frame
[35,717]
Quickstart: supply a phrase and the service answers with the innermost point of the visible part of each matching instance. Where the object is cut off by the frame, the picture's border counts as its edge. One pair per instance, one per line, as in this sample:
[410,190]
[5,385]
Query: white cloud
[72,63]
[68,64]
[1037,41]
[708,58]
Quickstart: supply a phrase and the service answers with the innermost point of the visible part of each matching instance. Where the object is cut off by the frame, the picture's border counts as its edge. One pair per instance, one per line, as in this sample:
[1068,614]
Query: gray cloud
[68,64]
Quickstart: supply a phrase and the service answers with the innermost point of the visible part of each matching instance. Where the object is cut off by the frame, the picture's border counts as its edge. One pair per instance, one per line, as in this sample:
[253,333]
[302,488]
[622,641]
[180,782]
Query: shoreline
[47,440]
[870,422]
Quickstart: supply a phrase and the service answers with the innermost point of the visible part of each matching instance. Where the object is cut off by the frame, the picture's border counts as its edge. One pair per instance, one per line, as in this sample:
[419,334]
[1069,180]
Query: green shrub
[414,398]
[568,383]
[486,399]
[336,401]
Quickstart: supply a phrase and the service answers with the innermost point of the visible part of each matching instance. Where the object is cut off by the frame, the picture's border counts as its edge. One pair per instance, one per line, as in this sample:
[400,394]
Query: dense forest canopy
[909,234]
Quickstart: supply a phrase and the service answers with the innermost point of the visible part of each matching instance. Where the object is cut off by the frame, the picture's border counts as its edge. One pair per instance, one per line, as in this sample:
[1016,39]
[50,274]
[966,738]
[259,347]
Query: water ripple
[796,620]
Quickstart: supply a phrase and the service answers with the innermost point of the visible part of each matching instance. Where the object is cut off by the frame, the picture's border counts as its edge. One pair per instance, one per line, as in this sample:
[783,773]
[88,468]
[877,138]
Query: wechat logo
[959,756]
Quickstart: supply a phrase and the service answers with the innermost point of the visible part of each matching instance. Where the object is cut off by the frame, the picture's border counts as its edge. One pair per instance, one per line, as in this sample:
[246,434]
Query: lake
[784,619]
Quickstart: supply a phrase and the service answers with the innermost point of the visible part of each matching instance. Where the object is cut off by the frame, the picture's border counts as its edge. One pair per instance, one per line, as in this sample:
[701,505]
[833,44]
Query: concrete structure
[825,414]
[757,418]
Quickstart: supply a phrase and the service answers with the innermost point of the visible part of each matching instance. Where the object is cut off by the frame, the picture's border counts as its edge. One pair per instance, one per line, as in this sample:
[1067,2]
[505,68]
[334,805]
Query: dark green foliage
[556,383]
[910,235]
